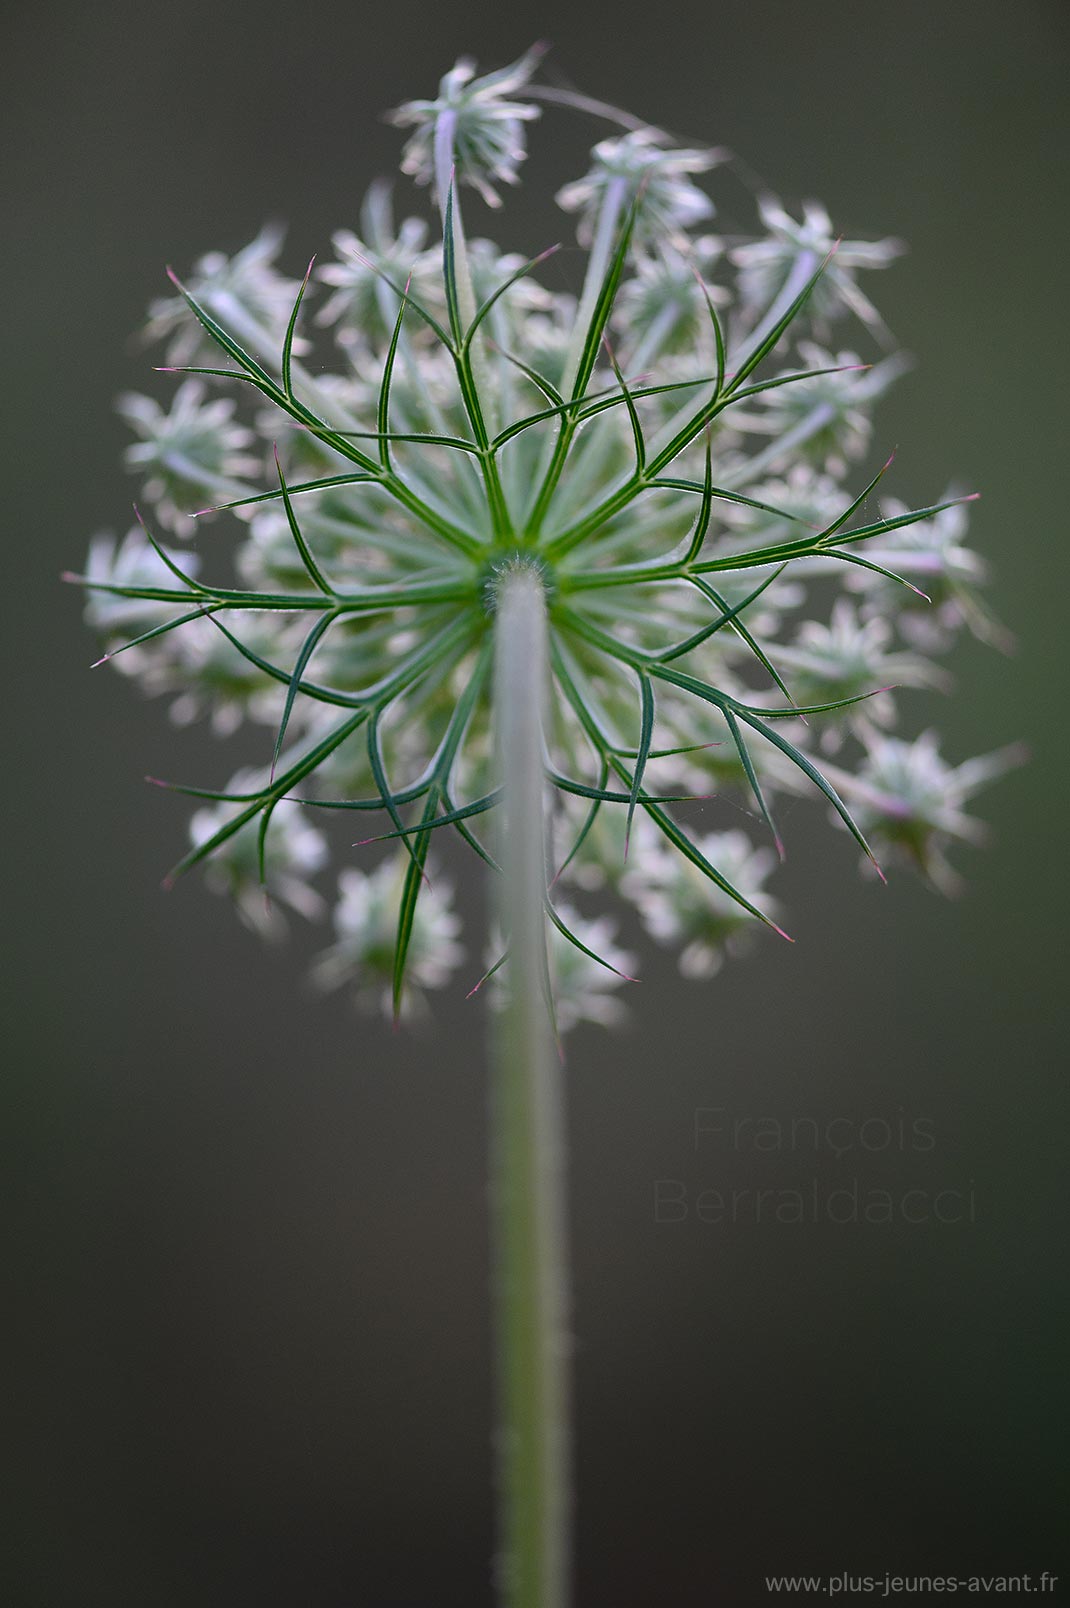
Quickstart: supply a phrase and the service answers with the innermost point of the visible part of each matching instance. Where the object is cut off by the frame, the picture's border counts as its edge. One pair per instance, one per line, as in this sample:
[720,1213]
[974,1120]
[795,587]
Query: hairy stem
[527,1137]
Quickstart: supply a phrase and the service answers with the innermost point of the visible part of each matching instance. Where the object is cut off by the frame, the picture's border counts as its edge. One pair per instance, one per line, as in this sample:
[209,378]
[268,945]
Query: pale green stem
[597,266]
[777,451]
[657,332]
[802,271]
[445,180]
[186,468]
[822,414]
[598,260]
[445,177]
[527,1126]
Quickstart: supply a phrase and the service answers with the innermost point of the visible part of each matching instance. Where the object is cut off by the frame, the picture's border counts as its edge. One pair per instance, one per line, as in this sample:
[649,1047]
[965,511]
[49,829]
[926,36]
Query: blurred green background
[248,1348]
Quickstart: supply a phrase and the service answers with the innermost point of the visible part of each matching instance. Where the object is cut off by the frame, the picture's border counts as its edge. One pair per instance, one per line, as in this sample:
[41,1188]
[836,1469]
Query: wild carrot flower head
[643,169]
[766,264]
[658,439]
[476,119]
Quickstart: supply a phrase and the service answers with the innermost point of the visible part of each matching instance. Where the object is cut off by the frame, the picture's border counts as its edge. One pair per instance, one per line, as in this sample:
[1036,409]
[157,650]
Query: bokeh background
[248,1352]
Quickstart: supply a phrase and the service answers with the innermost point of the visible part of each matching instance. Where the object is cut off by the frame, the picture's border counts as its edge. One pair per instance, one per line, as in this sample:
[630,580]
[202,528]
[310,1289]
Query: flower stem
[802,270]
[445,182]
[527,1185]
[609,215]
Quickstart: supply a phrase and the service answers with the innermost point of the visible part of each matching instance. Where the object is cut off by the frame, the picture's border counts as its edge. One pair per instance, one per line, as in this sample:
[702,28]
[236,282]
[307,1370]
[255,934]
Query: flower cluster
[673,448]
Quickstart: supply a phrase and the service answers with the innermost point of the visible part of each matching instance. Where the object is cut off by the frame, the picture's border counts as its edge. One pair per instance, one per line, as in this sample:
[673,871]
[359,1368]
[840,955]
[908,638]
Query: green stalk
[527,1173]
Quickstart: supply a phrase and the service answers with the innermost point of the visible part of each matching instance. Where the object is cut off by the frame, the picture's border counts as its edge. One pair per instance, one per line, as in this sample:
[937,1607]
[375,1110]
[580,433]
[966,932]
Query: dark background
[249,1349]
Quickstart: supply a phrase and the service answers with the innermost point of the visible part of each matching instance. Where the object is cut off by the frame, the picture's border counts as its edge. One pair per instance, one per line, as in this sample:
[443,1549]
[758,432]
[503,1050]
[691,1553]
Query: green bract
[482,417]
